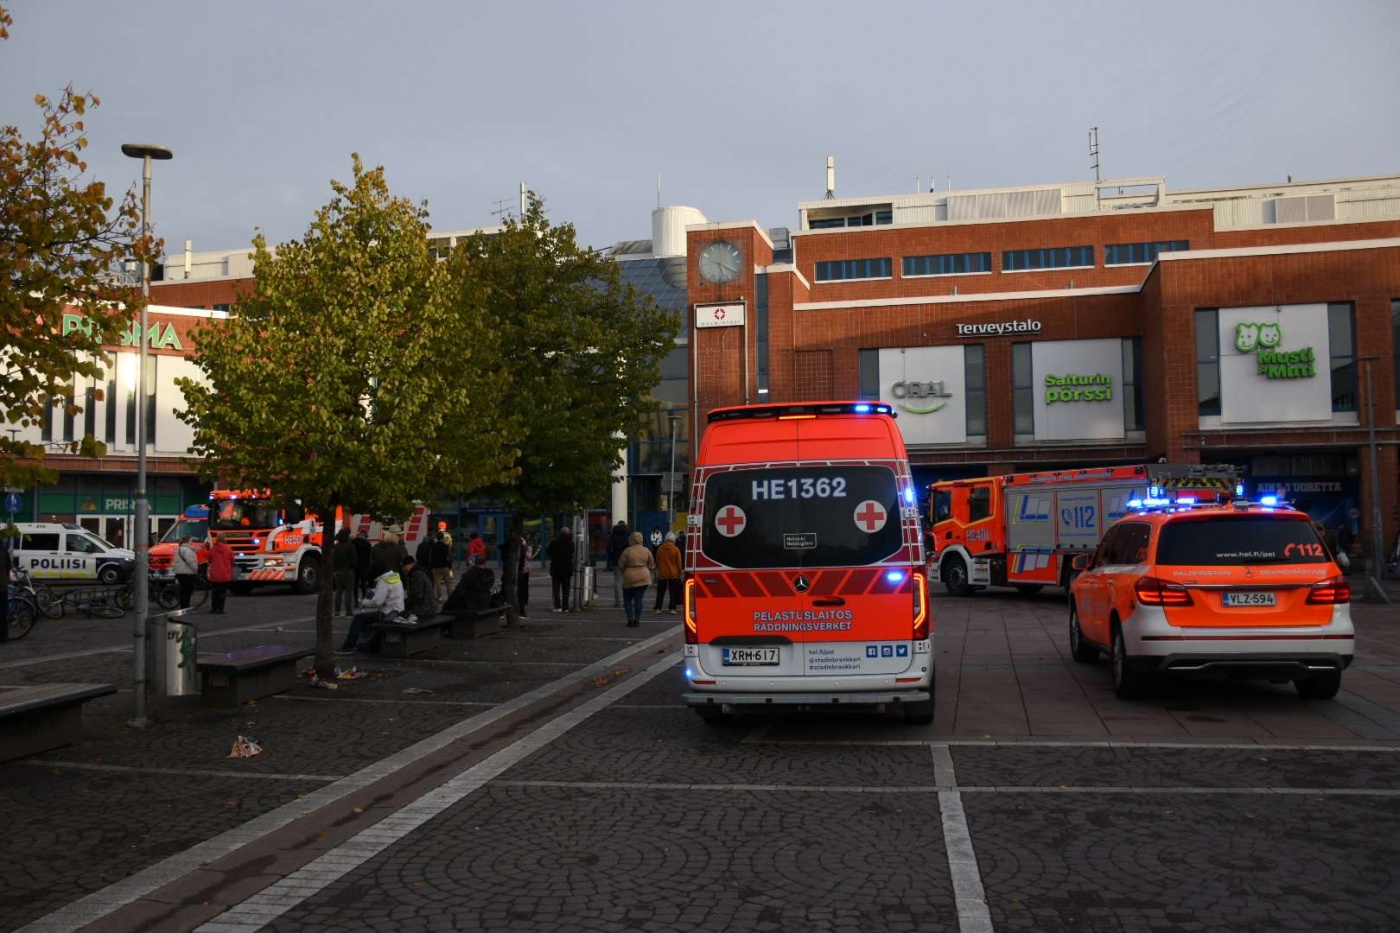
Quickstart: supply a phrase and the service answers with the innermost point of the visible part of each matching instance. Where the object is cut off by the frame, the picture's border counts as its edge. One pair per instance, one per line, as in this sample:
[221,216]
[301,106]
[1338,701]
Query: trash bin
[174,650]
[585,596]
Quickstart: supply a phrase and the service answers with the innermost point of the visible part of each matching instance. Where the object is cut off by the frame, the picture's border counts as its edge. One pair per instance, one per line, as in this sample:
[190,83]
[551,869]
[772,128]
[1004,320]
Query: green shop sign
[1274,363]
[1076,387]
[158,336]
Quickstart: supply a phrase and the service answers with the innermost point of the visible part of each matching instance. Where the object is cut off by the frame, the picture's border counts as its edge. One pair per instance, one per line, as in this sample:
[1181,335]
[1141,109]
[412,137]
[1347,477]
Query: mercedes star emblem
[802,584]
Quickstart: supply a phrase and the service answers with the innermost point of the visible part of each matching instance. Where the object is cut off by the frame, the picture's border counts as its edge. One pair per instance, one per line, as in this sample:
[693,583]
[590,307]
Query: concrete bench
[36,718]
[235,677]
[474,623]
[402,640]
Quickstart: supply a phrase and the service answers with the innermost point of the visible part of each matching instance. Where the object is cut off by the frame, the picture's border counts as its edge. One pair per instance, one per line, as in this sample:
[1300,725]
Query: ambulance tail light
[692,634]
[921,613]
[1330,592]
[1151,591]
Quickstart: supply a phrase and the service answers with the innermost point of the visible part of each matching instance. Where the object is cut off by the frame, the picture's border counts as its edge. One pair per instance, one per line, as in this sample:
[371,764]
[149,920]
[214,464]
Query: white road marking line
[115,896]
[1018,743]
[968,893]
[185,772]
[963,789]
[400,702]
[304,883]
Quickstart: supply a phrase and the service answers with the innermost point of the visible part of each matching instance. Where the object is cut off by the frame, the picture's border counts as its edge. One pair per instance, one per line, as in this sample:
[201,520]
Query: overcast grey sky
[736,105]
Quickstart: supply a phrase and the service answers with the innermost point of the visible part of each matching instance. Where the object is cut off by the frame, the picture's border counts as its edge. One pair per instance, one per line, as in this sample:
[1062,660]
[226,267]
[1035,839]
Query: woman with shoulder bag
[636,564]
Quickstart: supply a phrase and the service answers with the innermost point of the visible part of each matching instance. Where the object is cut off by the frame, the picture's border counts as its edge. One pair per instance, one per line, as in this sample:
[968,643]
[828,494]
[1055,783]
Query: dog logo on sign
[871,516]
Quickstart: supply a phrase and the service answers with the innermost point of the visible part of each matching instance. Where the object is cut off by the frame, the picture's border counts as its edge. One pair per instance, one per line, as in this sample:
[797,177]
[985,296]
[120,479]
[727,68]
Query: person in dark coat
[617,543]
[345,560]
[362,562]
[473,590]
[561,568]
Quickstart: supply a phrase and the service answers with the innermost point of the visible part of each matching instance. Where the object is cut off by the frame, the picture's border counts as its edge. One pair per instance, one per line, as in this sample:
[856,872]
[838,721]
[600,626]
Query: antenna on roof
[1094,160]
[501,208]
[830,177]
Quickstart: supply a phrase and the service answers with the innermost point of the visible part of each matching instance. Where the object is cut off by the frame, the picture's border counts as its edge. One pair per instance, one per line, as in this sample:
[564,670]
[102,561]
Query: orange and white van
[804,564]
[1238,590]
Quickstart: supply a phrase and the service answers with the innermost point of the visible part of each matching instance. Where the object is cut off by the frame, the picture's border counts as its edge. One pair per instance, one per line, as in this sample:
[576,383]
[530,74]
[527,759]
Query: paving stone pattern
[71,833]
[1071,864]
[507,859]
[1175,767]
[675,746]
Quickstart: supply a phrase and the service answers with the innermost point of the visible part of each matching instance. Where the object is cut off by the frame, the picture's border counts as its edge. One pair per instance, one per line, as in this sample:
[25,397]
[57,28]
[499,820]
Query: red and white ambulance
[804,564]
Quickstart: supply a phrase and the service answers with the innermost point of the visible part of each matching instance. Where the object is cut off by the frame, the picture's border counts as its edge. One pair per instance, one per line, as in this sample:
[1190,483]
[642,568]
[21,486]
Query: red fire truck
[1023,529]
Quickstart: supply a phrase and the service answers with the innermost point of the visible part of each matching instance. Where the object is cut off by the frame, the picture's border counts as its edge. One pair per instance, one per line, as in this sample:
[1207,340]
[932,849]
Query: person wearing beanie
[668,573]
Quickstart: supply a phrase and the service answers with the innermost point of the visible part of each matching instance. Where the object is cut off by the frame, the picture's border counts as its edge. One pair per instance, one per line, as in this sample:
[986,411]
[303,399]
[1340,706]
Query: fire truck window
[979,503]
[942,505]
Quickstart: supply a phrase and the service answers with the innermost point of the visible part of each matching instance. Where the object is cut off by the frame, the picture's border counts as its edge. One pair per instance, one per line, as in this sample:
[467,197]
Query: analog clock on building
[719,262]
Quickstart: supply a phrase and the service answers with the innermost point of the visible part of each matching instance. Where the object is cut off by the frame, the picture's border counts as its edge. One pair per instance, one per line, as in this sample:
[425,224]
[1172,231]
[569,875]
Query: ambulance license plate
[745,657]
[1249,599]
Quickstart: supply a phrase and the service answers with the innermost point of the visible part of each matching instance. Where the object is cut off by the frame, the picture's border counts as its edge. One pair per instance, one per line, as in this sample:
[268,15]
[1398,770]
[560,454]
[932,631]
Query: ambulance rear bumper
[812,700]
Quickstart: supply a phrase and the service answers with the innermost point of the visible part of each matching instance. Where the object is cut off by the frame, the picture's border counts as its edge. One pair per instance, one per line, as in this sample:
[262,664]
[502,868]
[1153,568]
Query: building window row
[870,219]
[1124,254]
[842,270]
[948,264]
[1055,257]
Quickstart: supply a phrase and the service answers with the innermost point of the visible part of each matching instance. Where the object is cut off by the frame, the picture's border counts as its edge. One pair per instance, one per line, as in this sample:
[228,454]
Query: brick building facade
[1225,326]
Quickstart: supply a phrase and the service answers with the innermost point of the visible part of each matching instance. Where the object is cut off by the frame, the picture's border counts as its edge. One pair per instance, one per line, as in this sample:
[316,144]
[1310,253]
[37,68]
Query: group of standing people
[633,564]
[186,568]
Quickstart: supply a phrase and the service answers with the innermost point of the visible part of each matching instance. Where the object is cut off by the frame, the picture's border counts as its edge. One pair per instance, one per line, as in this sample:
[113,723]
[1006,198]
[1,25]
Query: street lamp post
[671,477]
[142,544]
[1377,563]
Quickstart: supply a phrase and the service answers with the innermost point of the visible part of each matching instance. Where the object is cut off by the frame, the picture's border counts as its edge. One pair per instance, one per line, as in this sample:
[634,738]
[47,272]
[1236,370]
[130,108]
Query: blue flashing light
[1268,500]
[1239,489]
[862,409]
[1134,503]
[1154,492]
[1185,500]
[1151,502]
[894,576]
[909,495]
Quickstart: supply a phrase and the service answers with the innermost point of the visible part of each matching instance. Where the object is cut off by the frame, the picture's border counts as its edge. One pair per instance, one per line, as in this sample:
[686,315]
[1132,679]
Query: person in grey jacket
[186,567]
[420,599]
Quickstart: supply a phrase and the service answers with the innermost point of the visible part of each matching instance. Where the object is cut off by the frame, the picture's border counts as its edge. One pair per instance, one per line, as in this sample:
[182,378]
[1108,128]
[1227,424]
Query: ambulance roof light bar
[799,410]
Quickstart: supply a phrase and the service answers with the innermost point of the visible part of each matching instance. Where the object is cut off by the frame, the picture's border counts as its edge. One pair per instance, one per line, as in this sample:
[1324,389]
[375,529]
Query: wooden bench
[235,677]
[474,623]
[401,640]
[36,718]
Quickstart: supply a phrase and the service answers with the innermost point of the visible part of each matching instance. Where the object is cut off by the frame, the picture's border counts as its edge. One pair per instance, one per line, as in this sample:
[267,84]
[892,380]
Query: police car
[62,552]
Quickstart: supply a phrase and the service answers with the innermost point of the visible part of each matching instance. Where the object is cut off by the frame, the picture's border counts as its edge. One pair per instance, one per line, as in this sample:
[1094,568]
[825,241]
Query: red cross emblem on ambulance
[870,516]
[730,520]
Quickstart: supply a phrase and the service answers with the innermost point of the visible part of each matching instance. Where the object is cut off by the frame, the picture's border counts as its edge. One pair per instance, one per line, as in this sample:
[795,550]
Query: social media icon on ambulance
[901,651]
[871,651]
[887,651]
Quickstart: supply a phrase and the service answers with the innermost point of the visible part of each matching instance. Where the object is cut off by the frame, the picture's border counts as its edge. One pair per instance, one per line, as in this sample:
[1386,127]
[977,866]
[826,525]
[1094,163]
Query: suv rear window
[1239,539]
[808,516]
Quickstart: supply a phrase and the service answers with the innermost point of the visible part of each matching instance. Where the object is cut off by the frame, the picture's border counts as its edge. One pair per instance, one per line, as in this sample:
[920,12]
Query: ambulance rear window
[809,516]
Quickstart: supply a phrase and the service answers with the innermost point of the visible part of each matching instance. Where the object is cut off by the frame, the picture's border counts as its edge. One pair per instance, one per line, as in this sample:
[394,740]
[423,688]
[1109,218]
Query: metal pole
[1377,538]
[671,477]
[140,675]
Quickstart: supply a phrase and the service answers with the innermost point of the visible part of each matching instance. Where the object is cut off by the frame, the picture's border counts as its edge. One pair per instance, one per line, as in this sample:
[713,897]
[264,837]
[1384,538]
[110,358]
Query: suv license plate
[1249,599]
[750,656]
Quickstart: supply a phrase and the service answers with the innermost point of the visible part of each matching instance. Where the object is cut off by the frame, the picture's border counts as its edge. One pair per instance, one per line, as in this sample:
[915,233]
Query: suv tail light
[1330,592]
[921,613]
[692,635]
[1151,591]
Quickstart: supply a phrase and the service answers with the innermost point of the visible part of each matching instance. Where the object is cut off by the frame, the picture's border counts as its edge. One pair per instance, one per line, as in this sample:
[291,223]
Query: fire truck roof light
[1268,500]
[1185,500]
[862,409]
[1134,503]
[1239,489]
[909,494]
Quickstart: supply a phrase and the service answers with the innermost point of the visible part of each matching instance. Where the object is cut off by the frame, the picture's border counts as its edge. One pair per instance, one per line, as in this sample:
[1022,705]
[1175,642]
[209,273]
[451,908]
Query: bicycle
[48,602]
[165,594]
[103,603]
[23,613]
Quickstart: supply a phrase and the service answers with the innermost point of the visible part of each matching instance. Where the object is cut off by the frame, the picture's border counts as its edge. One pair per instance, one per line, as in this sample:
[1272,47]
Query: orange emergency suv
[804,579]
[1024,529]
[1242,589]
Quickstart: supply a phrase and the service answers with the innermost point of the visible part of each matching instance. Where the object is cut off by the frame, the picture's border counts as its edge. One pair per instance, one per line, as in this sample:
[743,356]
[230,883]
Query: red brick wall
[205,294]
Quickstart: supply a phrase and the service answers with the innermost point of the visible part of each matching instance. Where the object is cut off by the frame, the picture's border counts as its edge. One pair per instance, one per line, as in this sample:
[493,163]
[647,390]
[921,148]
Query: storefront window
[1343,351]
[1023,388]
[975,387]
[1208,361]
[1132,377]
[870,374]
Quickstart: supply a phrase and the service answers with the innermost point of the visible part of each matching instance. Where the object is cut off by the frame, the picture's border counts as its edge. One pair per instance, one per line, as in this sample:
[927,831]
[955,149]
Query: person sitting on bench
[473,591]
[386,602]
[420,598]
